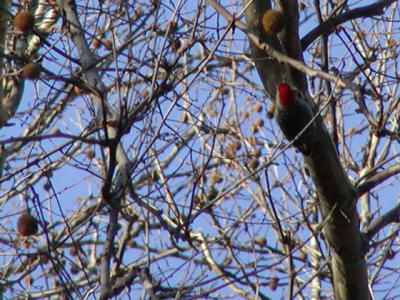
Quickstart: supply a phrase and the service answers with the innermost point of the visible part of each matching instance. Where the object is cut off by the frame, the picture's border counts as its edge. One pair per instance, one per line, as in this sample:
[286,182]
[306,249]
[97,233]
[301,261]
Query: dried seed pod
[261,241]
[273,283]
[96,43]
[27,225]
[257,107]
[24,21]
[255,152]
[259,123]
[217,178]
[270,111]
[31,71]
[272,21]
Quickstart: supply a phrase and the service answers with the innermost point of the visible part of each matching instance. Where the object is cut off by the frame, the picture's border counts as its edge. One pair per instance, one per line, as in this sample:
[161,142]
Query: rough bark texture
[337,195]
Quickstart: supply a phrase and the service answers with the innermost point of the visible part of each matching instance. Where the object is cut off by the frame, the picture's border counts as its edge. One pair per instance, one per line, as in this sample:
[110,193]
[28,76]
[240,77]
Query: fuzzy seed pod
[261,241]
[255,152]
[258,123]
[270,111]
[217,178]
[272,21]
[27,225]
[79,90]
[24,21]
[253,164]
[31,71]
[257,107]
[273,283]
[96,43]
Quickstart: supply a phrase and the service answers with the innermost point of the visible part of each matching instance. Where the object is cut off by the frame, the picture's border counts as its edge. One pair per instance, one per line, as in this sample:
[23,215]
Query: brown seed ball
[246,114]
[254,129]
[47,186]
[90,154]
[26,244]
[31,71]
[259,123]
[144,93]
[273,283]
[261,241]
[236,145]
[45,259]
[131,243]
[74,270]
[213,193]
[253,163]
[270,111]
[257,107]
[227,261]
[74,251]
[253,140]
[176,45]
[79,90]
[272,21]
[96,43]
[24,21]
[139,11]
[224,91]
[27,225]
[108,44]
[255,152]
[217,178]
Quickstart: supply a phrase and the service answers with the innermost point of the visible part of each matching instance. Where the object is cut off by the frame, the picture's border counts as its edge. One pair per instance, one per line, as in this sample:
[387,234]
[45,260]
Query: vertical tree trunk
[337,195]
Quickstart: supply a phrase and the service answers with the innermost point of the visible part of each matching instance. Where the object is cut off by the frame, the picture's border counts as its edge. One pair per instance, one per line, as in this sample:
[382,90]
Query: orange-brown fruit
[24,21]
[27,225]
[272,21]
[31,71]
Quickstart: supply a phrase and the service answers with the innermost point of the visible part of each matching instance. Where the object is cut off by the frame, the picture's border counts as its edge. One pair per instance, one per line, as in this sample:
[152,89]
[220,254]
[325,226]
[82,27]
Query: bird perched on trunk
[292,113]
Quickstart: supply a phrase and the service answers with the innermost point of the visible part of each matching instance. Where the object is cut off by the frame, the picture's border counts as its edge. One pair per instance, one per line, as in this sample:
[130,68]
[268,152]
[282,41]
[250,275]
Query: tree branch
[392,216]
[375,179]
[329,25]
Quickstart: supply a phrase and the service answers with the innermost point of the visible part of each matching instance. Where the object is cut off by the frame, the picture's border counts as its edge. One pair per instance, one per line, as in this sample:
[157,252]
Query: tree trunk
[337,195]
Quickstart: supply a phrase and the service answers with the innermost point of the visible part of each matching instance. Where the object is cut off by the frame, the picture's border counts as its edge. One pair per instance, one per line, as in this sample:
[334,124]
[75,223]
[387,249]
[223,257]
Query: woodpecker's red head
[285,95]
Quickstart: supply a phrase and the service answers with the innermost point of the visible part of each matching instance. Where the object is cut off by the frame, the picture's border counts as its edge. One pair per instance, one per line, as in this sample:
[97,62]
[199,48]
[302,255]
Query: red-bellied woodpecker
[292,115]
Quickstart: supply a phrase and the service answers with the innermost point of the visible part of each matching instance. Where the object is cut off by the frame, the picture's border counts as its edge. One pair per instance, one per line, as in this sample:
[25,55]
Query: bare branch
[329,25]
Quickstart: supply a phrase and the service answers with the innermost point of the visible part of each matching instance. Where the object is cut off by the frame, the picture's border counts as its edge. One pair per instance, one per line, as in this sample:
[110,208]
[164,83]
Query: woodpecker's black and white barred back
[292,113]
